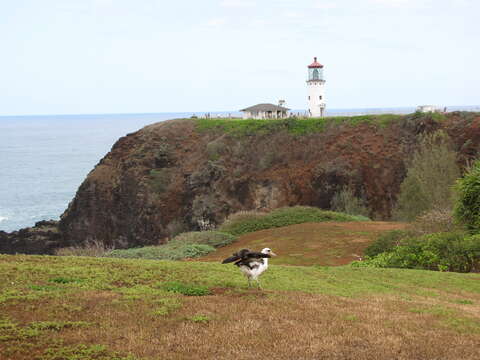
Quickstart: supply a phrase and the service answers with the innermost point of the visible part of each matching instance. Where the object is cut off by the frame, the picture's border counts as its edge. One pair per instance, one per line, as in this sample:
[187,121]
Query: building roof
[265,107]
[315,64]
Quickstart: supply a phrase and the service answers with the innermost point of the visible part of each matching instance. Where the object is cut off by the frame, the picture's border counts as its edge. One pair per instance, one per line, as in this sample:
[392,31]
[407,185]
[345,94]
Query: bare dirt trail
[328,243]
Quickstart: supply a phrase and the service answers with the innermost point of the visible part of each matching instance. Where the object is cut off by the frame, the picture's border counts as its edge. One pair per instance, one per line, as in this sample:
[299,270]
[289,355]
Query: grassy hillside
[328,243]
[86,308]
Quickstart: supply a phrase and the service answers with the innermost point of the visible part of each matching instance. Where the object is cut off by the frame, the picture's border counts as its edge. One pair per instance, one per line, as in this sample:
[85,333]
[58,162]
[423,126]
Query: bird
[252,264]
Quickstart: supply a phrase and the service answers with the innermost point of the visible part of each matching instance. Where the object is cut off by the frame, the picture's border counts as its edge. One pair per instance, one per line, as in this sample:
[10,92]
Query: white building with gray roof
[265,111]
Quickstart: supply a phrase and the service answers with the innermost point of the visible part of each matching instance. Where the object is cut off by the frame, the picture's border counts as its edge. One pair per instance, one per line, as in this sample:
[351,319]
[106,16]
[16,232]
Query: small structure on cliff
[316,89]
[266,111]
[428,108]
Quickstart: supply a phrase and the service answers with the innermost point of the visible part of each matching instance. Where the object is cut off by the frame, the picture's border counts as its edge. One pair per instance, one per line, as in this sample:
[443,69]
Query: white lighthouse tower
[316,89]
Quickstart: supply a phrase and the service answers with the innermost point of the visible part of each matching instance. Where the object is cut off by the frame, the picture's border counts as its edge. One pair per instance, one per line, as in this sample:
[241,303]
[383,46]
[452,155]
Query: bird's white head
[268,251]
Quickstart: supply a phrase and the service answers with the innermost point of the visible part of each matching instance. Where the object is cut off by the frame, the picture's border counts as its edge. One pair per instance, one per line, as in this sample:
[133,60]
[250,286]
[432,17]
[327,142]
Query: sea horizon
[332,111]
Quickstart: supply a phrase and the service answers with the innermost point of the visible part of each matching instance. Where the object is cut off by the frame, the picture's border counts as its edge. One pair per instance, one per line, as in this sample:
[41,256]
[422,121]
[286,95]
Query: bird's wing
[256,255]
[236,256]
[230,259]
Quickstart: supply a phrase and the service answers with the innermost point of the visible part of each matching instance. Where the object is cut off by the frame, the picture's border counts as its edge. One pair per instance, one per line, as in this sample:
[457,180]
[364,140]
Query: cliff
[190,174]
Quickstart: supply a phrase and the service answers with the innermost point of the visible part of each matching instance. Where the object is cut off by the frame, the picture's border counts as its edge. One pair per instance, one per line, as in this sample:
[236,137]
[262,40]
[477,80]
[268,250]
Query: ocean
[44,159]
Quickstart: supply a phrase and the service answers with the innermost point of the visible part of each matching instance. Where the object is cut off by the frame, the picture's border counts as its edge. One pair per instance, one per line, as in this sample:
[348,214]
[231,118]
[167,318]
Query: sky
[145,56]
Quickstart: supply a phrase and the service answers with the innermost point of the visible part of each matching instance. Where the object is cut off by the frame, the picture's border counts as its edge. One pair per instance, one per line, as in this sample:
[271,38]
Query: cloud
[326,4]
[238,3]
[399,3]
[216,22]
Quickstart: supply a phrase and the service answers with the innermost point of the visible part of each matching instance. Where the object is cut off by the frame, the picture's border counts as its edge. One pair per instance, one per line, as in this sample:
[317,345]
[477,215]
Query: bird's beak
[272,253]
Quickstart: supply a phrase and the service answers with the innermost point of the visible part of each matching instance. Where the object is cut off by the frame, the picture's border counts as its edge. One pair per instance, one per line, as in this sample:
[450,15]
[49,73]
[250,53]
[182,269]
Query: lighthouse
[316,89]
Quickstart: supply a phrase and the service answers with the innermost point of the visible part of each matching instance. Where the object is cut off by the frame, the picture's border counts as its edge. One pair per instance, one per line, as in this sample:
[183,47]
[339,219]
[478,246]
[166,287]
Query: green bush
[163,252]
[186,289]
[430,178]
[387,242]
[467,209]
[453,251]
[284,217]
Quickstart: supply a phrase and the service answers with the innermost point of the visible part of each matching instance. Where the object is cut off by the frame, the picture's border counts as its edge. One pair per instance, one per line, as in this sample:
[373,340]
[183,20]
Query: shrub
[467,209]
[163,155]
[387,242]
[345,201]
[215,149]
[430,178]
[186,289]
[283,217]
[437,220]
[453,251]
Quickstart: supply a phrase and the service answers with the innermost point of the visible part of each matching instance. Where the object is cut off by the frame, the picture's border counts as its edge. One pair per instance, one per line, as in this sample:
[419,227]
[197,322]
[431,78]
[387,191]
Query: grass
[284,217]
[186,245]
[296,126]
[105,308]
[163,252]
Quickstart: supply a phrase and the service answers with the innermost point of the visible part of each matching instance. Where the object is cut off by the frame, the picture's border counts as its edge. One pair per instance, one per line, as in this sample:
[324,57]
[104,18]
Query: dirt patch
[329,243]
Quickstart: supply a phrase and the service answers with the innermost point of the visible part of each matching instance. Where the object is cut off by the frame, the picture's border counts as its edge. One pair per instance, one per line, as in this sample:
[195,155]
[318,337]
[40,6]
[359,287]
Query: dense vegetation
[449,251]
[427,195]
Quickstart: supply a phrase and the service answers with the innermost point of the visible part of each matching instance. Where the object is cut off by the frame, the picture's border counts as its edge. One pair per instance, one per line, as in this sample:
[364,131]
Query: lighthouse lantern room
[316,89]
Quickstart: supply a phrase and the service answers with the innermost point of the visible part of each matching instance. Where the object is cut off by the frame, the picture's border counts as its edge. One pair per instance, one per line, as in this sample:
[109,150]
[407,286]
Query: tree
[467,209]
[430,178]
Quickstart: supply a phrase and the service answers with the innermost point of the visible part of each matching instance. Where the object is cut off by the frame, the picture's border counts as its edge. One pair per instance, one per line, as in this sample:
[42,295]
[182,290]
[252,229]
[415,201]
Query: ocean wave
[3,218]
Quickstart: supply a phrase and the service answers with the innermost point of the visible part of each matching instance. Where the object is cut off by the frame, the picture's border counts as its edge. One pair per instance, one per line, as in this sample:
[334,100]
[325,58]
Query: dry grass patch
[329,243]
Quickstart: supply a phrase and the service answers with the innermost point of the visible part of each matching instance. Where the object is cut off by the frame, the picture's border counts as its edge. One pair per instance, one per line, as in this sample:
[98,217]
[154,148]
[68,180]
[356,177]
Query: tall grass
[92,248]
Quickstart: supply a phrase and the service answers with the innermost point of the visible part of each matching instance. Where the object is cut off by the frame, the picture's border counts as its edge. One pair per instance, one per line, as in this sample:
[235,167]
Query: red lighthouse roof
[315,64]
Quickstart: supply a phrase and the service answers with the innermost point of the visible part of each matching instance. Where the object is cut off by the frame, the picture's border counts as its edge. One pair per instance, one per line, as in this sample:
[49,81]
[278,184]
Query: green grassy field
[87,308]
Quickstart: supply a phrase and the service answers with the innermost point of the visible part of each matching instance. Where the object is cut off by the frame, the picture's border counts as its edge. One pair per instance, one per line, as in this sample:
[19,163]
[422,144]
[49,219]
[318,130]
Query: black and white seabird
[252,264]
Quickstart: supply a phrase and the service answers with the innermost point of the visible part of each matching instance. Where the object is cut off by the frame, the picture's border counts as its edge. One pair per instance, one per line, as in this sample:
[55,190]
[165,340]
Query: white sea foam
[3,218]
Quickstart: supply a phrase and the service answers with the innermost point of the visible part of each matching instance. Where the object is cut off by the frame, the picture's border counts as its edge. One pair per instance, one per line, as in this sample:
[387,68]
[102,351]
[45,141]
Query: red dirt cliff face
[171,176]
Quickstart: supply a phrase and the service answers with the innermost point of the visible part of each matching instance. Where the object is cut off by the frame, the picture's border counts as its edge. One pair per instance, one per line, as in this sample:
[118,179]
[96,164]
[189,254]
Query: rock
[43,238]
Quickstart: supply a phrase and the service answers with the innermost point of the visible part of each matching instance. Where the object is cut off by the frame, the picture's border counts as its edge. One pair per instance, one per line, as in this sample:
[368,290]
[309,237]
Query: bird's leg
[258,284]
[249,283]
